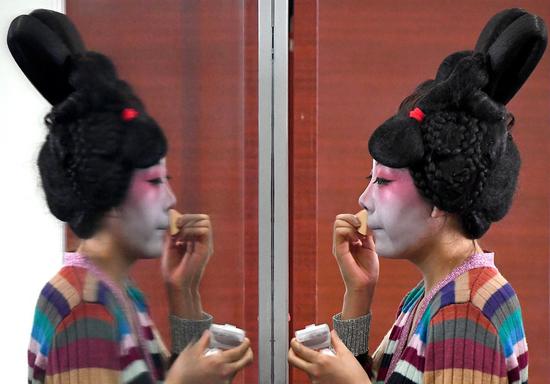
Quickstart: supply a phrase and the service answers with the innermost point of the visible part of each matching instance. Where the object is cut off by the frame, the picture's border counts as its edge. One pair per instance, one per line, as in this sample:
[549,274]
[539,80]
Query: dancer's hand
[185,257]
[340,369]
[193,367]
[358,262]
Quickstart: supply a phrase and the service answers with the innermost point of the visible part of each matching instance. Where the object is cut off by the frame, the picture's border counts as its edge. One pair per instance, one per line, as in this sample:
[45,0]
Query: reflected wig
[98,129]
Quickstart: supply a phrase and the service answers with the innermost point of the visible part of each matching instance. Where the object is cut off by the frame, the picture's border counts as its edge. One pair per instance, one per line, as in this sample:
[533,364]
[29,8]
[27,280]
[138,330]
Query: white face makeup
[398,216]
[144,213]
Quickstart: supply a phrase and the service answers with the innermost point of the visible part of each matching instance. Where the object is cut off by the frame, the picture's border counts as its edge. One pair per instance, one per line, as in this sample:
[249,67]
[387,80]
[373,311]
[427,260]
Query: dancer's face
[398,216]
[144,213]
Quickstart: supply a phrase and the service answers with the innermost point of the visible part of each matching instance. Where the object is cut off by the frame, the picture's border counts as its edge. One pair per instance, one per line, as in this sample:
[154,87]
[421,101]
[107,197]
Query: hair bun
[468,75]
[448,65]
[91,70]
[93,78]
[475,224]
[41,44]
[514,41]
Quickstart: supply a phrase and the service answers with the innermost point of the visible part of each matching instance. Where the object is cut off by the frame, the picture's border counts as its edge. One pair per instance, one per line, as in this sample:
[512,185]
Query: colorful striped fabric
[470,331]
[83,334]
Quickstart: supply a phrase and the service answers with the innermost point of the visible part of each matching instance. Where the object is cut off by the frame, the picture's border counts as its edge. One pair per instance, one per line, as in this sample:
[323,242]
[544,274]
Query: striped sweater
[469,329]
[84,332]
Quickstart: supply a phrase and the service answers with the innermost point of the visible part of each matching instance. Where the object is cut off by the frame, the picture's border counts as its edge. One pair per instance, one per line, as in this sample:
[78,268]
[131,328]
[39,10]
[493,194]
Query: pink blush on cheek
[138,191]
[406,192]
[400,212]
[143,217]
[141,189]
[401,188]
[138,186]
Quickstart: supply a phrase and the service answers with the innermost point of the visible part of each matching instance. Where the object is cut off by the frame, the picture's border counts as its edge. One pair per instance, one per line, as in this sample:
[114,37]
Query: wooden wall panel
[194,64]
[250,183]
[303,177]
[369,56]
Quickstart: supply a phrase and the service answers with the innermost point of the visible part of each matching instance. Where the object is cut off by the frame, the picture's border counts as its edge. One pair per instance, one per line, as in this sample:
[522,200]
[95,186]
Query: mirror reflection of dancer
[103,170]
[445,167]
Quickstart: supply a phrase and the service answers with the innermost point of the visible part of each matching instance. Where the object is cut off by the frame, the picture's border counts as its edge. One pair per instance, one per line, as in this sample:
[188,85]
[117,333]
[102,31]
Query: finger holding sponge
[174,216]
[362,216]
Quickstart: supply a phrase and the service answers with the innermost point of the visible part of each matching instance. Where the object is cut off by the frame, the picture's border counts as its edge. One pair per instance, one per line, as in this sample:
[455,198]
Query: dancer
[104,173]
[445,167]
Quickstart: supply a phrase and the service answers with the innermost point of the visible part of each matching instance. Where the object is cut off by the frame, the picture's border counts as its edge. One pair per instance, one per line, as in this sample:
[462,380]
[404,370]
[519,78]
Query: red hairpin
[417,114]
[129,114]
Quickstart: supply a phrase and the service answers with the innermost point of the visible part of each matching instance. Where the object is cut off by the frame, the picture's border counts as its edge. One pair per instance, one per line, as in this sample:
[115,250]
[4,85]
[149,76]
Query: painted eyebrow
[389,172]
[154,169]
[151,176]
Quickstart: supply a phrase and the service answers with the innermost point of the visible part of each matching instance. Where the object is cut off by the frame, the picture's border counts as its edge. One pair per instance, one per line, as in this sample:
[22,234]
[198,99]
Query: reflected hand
[187,253]
[324,369]
[185,257]
[192,367]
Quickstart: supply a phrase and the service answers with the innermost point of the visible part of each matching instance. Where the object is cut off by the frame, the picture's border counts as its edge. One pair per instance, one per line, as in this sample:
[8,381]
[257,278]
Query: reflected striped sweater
[86,330]
[469,330]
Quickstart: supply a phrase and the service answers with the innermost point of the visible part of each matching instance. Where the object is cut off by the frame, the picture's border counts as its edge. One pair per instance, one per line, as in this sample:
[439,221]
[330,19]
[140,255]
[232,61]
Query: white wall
[31,238]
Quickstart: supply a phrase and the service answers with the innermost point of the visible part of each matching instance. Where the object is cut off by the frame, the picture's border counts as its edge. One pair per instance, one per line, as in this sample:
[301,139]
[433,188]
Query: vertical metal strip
[265,222]
[273,191]
[280,193]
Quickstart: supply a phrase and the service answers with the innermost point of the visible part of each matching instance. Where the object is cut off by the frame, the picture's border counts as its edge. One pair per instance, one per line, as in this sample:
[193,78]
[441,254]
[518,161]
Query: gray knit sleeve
[353,332]
[185,331]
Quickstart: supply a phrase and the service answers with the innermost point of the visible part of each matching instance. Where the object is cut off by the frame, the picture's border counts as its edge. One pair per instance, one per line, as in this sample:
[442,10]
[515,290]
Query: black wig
[98,129]
[454,132]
